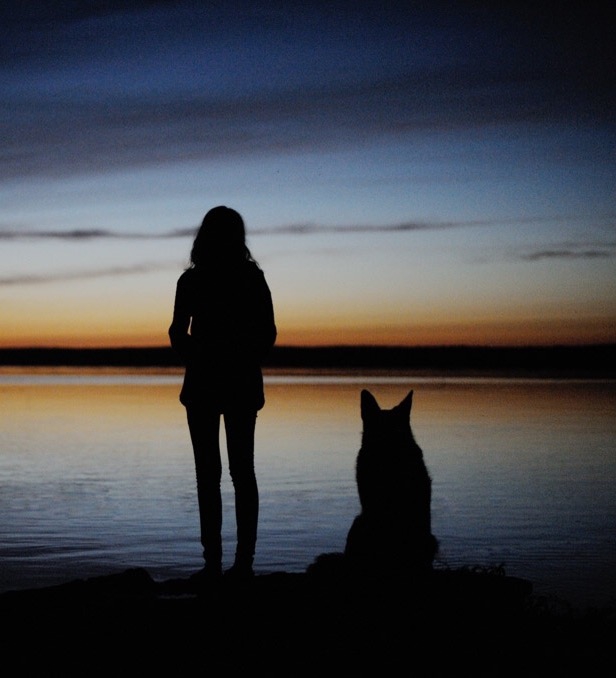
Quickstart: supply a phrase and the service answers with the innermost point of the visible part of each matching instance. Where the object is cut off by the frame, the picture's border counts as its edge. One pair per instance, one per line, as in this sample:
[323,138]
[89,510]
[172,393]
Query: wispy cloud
[320,229]
[71,276]
[84,234]
[300,229]
[405,226]
[568,252]
[603,252]
[75,234]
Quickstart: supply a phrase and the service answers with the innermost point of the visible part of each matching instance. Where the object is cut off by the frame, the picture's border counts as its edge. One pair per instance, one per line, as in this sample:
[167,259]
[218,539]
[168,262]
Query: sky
[410,173]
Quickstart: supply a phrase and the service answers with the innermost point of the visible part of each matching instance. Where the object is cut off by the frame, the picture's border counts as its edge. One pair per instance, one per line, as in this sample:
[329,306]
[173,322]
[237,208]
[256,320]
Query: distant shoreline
[596,361]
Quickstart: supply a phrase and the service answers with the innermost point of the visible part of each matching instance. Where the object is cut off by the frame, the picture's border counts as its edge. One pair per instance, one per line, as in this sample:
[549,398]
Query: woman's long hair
[221,239]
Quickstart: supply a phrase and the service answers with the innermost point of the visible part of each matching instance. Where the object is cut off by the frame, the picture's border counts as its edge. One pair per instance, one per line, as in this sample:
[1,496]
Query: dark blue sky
[408,172]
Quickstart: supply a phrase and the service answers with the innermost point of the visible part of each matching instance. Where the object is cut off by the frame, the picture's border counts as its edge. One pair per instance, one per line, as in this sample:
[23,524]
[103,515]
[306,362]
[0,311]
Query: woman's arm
[267,325]
[180,339]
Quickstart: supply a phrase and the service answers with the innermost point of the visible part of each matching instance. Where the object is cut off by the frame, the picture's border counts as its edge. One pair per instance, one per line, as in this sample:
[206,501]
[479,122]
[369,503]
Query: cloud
[307,229]
[604,252]
[75,234]
[302,229]
[407,226]
[566,251]
[68,276]
[89,234]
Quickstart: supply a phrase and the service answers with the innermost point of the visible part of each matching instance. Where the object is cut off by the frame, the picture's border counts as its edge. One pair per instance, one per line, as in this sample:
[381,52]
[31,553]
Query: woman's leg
[204,430]
[240,431]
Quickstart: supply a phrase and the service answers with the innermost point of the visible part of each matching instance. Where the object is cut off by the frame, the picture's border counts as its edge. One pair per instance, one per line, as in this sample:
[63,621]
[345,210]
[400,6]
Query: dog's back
[393,529]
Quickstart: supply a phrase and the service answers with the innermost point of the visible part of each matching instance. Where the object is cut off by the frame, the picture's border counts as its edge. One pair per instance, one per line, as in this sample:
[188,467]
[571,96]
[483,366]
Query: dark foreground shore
[315,623]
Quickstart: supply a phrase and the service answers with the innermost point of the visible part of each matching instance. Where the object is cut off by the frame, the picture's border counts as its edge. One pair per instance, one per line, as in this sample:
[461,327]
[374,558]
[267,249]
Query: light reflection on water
[96,475]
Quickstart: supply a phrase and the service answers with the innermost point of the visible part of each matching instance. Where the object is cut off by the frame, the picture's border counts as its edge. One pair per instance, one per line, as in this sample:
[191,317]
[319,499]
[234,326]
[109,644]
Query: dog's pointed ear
[368,404]
[405,405]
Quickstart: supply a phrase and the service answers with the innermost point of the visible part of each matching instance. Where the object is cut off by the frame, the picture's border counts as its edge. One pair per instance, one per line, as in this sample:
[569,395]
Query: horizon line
[149,347]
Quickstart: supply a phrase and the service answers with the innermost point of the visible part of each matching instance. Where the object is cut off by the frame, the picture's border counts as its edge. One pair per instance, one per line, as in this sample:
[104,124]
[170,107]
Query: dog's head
[374,417]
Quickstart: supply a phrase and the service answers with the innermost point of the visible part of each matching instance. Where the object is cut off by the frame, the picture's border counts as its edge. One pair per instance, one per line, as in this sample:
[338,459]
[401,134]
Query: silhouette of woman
[223,326]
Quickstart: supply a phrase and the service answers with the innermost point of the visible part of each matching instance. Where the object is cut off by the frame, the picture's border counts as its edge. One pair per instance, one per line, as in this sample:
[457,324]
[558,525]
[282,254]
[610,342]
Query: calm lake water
[96,475]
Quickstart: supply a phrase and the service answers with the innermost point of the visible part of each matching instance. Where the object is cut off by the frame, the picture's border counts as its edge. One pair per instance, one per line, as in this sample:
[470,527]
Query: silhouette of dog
[393,531]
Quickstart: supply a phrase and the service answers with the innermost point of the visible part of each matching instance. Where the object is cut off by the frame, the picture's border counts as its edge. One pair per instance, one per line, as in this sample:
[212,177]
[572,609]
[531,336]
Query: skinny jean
[204,427]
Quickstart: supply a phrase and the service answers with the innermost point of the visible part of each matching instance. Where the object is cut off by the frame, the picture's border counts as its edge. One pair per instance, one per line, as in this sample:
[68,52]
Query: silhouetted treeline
[569,361]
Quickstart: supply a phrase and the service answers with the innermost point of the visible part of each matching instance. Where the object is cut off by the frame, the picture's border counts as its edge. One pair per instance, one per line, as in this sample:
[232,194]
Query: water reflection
[96,474]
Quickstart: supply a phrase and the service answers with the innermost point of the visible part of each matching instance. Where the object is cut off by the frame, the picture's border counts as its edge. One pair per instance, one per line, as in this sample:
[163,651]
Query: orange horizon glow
[455,334]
